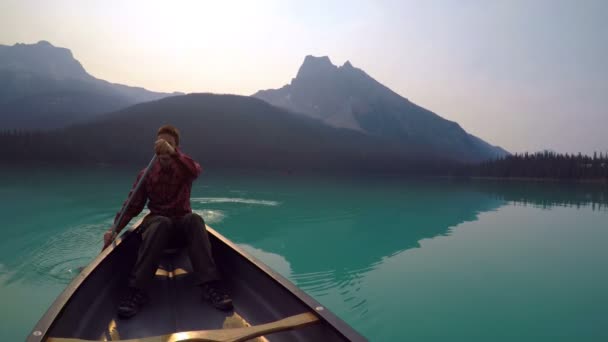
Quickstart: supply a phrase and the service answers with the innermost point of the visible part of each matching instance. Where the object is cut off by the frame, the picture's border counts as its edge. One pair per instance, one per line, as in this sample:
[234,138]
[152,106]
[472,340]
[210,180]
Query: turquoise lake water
[398,259]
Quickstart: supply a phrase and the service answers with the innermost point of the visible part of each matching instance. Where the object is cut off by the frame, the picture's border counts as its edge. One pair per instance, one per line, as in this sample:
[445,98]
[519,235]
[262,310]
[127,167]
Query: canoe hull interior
[176,304]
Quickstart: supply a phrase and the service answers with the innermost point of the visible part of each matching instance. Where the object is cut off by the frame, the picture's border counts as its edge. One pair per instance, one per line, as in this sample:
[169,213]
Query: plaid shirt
[167,191]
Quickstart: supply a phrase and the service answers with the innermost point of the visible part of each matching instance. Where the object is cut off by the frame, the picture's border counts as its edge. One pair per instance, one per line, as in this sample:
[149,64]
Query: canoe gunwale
[41,329]
[43,326]
[321,311]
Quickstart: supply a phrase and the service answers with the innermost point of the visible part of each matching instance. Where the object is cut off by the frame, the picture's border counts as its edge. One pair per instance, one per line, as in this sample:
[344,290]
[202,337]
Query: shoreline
[601,181]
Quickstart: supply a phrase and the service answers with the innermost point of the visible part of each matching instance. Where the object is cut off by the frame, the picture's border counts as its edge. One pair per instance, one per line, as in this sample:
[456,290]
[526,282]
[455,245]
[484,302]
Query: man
[167,190]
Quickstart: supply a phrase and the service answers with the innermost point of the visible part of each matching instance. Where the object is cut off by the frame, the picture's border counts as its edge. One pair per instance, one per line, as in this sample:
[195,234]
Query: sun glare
[189,24]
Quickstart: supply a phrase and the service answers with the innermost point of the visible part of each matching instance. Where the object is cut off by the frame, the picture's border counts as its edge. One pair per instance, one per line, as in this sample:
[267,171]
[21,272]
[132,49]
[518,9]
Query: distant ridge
[45,87]
[347,97]
[220,131]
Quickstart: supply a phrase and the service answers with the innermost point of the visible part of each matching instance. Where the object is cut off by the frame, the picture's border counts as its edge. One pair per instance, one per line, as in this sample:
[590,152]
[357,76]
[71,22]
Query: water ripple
[207,200]
[60,257]
[211,216]
[337,285]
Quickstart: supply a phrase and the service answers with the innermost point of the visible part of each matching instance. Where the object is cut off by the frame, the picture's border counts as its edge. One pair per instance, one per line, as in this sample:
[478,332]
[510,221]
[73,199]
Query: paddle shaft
[221,335]
[137,186]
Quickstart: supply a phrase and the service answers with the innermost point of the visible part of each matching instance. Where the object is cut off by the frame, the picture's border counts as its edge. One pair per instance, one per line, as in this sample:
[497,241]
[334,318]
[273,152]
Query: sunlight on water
[205,200]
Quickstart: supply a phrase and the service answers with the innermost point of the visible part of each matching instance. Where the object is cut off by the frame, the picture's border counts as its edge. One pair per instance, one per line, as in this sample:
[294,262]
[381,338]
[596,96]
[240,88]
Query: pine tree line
[548,165]
[76,146]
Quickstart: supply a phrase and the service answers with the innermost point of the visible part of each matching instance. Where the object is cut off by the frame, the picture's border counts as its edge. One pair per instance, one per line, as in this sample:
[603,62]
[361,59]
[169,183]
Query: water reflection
[348,242]
[335,234]
[546,194]
[348,229]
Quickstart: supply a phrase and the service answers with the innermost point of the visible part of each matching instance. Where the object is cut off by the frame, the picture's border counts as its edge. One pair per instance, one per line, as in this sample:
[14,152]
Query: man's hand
[163,147]
[108,237]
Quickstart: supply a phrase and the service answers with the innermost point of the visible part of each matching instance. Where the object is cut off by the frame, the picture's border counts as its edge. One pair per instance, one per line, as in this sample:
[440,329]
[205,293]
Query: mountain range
[227,131]
[347,97]
[44,87]
[328,117]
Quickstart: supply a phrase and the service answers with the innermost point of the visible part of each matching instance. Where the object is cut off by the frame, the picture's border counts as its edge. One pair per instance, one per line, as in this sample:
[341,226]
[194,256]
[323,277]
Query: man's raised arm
[193,168]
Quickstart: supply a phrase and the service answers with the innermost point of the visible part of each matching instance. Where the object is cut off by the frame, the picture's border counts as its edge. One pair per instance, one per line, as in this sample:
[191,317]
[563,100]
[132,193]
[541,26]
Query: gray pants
[159,233]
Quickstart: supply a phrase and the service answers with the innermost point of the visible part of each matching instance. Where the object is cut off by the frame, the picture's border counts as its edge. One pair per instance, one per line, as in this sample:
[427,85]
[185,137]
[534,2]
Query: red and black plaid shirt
[167,190]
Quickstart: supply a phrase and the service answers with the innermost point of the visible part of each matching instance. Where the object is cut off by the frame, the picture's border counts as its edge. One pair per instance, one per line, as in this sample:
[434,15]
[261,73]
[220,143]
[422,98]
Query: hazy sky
[526,75]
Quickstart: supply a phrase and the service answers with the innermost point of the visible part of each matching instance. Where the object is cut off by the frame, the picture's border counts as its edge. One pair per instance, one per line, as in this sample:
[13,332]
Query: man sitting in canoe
[167,190]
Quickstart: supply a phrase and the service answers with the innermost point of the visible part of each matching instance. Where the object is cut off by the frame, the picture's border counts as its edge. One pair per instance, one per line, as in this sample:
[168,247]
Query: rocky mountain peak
[314,67]
[44,43]
[42,58]
[347,65]
[347,97]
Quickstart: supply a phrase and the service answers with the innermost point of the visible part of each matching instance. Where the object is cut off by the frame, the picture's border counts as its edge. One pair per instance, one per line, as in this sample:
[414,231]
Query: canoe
[267,307]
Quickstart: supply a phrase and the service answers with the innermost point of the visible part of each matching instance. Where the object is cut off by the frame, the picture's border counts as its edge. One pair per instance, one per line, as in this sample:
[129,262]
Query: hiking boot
[214,293]
[132,302]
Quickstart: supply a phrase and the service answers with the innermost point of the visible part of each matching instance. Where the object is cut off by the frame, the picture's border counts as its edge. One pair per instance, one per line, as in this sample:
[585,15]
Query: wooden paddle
[124,208]
[221,335]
